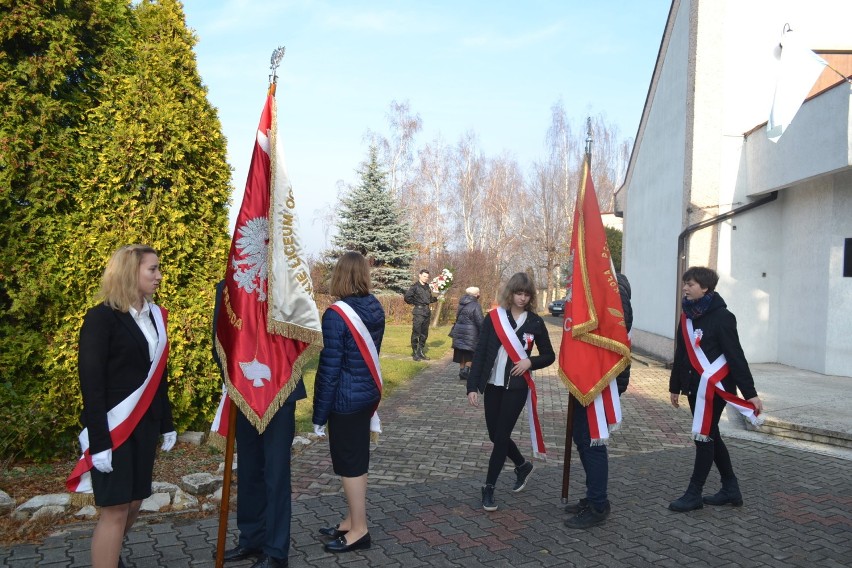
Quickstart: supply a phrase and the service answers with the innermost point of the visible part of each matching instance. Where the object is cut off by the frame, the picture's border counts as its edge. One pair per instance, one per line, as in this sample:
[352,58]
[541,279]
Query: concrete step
[783,429]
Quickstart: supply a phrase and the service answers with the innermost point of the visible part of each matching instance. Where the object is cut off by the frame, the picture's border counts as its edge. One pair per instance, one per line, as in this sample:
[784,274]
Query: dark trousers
[714,451]
[594,458]
[419,331]
[263,487]
[502,408]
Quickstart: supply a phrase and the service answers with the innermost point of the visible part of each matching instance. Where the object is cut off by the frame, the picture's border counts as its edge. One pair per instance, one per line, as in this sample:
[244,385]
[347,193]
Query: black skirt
[132,467]
[462,356]
[349,443]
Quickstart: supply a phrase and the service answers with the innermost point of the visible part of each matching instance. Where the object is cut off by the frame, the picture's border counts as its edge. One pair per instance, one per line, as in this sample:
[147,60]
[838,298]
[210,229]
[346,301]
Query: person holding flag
[501,372]
[709,366]
[347,391]
[595,350]
[122,357]
[267,327]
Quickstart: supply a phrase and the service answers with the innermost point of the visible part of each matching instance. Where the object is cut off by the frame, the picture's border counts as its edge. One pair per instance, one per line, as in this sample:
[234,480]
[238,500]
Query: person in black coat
[623,378]
[420,296]
[716,333]
[120,340]
[502,382]
[264,490]
[465,332]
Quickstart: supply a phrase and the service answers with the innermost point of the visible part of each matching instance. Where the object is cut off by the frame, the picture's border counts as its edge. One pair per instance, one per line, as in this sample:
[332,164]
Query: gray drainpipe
[681,239]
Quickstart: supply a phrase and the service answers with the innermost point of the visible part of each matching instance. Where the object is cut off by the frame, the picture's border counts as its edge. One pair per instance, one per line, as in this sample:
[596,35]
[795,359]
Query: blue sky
[493,67]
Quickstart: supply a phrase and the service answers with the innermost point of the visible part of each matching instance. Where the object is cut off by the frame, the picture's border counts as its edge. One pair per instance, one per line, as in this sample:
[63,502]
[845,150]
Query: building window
[847,258]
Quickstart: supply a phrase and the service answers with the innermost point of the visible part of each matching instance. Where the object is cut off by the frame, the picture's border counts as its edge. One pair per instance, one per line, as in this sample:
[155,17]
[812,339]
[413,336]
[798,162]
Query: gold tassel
[82,499]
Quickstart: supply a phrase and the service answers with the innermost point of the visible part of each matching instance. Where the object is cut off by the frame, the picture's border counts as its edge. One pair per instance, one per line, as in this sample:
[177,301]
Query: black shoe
[464,373]
[523,472]
[339,545]
[488,498]
[729,494]
[333,532]
[689,501]
[423,355]
[240,553]
[270,562]
[416,356]
[574,508]
[589,517]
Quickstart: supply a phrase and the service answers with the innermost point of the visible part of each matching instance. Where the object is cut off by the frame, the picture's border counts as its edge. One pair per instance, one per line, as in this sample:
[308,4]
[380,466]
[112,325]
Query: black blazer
[489,344]
[113,361]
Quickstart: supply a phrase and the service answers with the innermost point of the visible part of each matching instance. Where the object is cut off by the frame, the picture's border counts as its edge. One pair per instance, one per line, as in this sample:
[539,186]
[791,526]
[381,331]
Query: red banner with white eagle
[269,323]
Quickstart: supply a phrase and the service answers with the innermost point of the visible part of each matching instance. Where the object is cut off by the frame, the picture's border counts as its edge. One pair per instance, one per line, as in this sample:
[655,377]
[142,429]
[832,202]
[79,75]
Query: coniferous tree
[371,223]
[146,165]
[51,54]
[160,177]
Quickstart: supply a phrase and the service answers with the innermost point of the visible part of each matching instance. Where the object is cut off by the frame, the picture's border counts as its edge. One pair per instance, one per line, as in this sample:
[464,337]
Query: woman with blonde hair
[122,366]
[347,391]
[501,372]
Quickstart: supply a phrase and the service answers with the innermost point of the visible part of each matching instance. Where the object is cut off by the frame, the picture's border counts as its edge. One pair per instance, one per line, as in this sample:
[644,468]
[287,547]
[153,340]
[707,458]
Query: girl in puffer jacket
[346,393]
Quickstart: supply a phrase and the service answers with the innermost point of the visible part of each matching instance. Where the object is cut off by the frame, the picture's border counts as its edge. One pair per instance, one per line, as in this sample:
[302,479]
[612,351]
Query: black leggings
[502,408]
[713,451]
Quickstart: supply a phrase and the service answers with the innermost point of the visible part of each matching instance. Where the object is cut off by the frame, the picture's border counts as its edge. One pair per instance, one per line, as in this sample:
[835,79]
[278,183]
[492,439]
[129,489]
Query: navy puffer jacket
[343,382]
[468,323]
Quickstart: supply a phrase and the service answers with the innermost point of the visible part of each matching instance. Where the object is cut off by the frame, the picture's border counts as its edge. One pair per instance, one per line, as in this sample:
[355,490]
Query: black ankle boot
[728,494]
[690,500]
[422,355]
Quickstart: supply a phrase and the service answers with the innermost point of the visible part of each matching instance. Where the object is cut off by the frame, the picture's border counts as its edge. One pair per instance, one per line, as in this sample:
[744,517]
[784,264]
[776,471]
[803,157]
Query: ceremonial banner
[269,324]
[595,347]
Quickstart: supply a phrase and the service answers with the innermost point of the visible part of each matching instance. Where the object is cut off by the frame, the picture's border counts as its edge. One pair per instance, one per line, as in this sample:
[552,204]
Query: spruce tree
[372,223]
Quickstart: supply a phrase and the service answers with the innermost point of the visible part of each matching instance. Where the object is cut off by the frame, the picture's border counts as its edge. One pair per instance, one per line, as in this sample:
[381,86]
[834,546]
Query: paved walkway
[424,507]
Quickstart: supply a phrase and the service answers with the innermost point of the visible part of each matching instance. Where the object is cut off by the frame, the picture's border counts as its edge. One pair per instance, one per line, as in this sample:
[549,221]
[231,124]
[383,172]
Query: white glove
[319,430]
[102,461]
[169,439]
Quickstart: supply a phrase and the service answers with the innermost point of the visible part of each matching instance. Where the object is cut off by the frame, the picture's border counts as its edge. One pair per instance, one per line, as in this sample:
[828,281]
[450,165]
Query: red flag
[595,348]
[269,323]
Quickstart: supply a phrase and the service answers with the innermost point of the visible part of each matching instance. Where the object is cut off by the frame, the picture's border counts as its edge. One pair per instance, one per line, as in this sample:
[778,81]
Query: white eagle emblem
[250,271]
[256,372]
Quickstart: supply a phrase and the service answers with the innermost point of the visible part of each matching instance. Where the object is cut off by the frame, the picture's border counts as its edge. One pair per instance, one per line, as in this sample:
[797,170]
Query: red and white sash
[710,385]
[604,414]
[368,350]
[124,416]
[510,342]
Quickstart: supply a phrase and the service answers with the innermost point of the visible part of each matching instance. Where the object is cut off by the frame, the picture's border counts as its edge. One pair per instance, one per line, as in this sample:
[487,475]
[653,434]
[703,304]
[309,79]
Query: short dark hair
[423,271]
[703,276]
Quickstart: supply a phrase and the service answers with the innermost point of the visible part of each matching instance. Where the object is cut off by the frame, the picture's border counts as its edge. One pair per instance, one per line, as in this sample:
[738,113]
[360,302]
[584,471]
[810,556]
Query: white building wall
[780,264]
[655,200]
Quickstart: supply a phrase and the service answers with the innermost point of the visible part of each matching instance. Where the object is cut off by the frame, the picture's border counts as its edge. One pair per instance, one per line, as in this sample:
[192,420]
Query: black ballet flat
[333,532]
[339,544]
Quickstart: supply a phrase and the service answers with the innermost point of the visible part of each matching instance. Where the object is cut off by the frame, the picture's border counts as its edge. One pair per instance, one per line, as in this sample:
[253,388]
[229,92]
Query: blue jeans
[594,458]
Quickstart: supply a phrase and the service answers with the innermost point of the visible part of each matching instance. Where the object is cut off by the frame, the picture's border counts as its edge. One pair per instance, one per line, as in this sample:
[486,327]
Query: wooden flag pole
[225,503]
[566,459]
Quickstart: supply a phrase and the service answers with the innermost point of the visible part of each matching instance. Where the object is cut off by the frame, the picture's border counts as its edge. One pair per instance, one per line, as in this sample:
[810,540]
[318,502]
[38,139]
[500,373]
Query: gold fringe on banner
[82,499]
